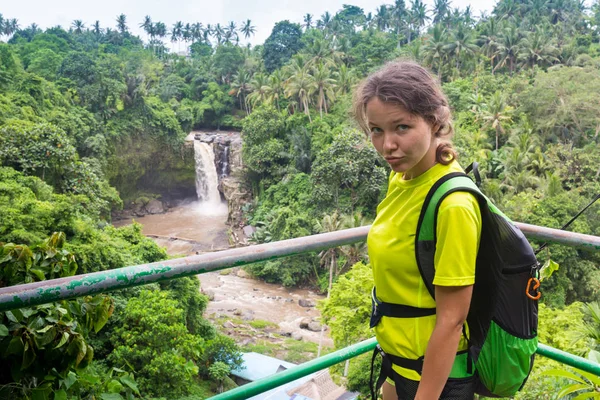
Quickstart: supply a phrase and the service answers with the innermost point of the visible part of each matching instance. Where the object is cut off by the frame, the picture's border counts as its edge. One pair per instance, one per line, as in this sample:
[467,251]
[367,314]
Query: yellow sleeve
[458,233]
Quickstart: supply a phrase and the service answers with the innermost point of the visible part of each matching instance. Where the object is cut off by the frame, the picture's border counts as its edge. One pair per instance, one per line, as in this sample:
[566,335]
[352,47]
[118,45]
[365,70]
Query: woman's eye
[376,130]
[402,127]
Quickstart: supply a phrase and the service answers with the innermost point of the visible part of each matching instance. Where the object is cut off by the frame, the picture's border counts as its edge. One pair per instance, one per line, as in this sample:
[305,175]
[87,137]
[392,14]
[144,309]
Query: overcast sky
[263,13]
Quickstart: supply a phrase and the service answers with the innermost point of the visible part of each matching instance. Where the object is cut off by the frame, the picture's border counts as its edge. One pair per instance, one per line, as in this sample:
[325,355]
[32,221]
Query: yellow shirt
[391,243]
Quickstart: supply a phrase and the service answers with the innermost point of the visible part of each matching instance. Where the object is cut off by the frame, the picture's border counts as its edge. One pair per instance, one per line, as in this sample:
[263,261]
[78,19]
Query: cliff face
[228,162]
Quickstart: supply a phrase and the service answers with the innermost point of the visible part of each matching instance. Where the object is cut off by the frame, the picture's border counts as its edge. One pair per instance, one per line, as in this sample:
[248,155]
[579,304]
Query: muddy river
[188,229]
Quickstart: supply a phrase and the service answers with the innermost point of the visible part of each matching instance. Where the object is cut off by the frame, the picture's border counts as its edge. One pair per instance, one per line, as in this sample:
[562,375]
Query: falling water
[207,182]
[225,162]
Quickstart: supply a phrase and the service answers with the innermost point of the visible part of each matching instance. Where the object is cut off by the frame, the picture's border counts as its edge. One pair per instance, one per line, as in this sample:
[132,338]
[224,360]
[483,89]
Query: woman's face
[406,141]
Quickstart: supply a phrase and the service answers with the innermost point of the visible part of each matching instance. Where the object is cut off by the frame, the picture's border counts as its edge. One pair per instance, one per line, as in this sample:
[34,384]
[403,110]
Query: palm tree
[418,14]
[96,28]
[218,33]
[329,223]
[382,18]
[308,20]
[495,113]
[435,49]
[35,29]
[259,94]
[196,31]
[240,87]
[146,25]
[488,40]
[275,89]
[122,24]
[247,29]
[232,32]
[344,80]
[177,34]
[187,33]
[299,86]
[323,86]
[325,20]
[441,8]
[537,50]
[461,44]
[78,26]
[321,51]
[399,15]
[8,26]
[357,251]
[509,48]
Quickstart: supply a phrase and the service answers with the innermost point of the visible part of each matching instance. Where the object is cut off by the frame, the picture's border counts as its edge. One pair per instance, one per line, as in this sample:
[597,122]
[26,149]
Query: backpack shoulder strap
[425,238]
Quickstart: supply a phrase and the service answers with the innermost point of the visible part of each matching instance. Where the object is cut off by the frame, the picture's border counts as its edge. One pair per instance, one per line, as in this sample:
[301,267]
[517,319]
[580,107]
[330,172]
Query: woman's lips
[393,160]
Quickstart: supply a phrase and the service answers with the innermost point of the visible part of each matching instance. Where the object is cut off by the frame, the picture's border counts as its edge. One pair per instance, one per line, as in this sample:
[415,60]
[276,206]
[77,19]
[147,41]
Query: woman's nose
[389,142]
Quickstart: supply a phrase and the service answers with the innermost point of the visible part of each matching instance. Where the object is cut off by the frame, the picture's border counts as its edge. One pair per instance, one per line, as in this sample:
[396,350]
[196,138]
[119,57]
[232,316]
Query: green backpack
[503,315]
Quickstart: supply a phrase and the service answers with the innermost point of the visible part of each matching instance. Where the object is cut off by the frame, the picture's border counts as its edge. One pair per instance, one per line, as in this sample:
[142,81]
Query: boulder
[304,323]
[242,274]
[306,303]
[210,294]
[155,207]
[248,230]
[297,336]
[314,326]
[247,316]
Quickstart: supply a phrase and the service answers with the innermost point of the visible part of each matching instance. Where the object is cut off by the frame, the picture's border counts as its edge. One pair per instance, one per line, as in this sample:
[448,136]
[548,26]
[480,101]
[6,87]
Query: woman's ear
[435,128]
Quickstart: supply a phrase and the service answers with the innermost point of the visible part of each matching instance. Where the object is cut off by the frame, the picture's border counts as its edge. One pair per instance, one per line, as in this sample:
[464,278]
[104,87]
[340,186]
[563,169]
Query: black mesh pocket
[459,389]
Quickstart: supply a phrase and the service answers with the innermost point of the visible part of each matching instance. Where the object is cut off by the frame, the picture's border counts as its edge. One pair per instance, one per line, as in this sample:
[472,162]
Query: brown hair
[411,86]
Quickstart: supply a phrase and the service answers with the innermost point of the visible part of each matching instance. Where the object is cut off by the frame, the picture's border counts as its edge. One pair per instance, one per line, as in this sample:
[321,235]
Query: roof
[258,366]
[316,386]
[321,387]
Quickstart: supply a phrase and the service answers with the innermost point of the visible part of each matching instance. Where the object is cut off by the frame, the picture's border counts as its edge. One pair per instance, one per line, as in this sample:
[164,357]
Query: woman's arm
[452,307]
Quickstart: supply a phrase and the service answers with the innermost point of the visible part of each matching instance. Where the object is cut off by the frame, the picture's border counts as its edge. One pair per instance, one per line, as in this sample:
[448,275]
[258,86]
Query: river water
[233,294]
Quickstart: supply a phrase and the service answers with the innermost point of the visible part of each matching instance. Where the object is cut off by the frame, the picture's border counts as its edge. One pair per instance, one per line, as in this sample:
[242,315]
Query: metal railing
[104,281]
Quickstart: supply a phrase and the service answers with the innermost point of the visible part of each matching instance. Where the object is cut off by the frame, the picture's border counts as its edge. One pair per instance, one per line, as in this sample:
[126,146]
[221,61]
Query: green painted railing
[98,282]
[291,374]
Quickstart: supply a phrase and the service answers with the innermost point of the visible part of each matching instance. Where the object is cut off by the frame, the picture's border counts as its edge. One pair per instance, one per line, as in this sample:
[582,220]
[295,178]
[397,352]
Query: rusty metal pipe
[98,282]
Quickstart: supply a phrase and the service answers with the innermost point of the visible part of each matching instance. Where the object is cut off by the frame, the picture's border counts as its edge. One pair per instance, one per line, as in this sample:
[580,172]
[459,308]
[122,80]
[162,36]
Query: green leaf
[15,346]
[564,374]
[588,395]
[548,269]
[28,357]
[127,380]
[27,312]
[593,356]
[11,317]
[60,395]
[46,338]
[41,393]
[571,389]
[103,316]
[38,274]
[63,340]
[111,396]
[3,330]
[69,380]
[114,386]
[46,329]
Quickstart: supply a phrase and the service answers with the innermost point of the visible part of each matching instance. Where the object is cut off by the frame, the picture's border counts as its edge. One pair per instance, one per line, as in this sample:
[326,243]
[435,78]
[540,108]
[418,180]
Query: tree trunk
[497,136]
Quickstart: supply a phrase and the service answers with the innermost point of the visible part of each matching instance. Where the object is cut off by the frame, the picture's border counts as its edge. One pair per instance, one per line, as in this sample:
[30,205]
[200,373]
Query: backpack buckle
[376,314]
[532,291]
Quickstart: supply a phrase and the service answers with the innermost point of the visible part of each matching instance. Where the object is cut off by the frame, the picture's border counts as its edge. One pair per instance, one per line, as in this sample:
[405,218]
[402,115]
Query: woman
[405,113]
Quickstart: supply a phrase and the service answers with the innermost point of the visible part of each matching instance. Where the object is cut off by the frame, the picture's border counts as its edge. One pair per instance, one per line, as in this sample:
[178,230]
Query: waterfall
[206,180]
[225,162]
